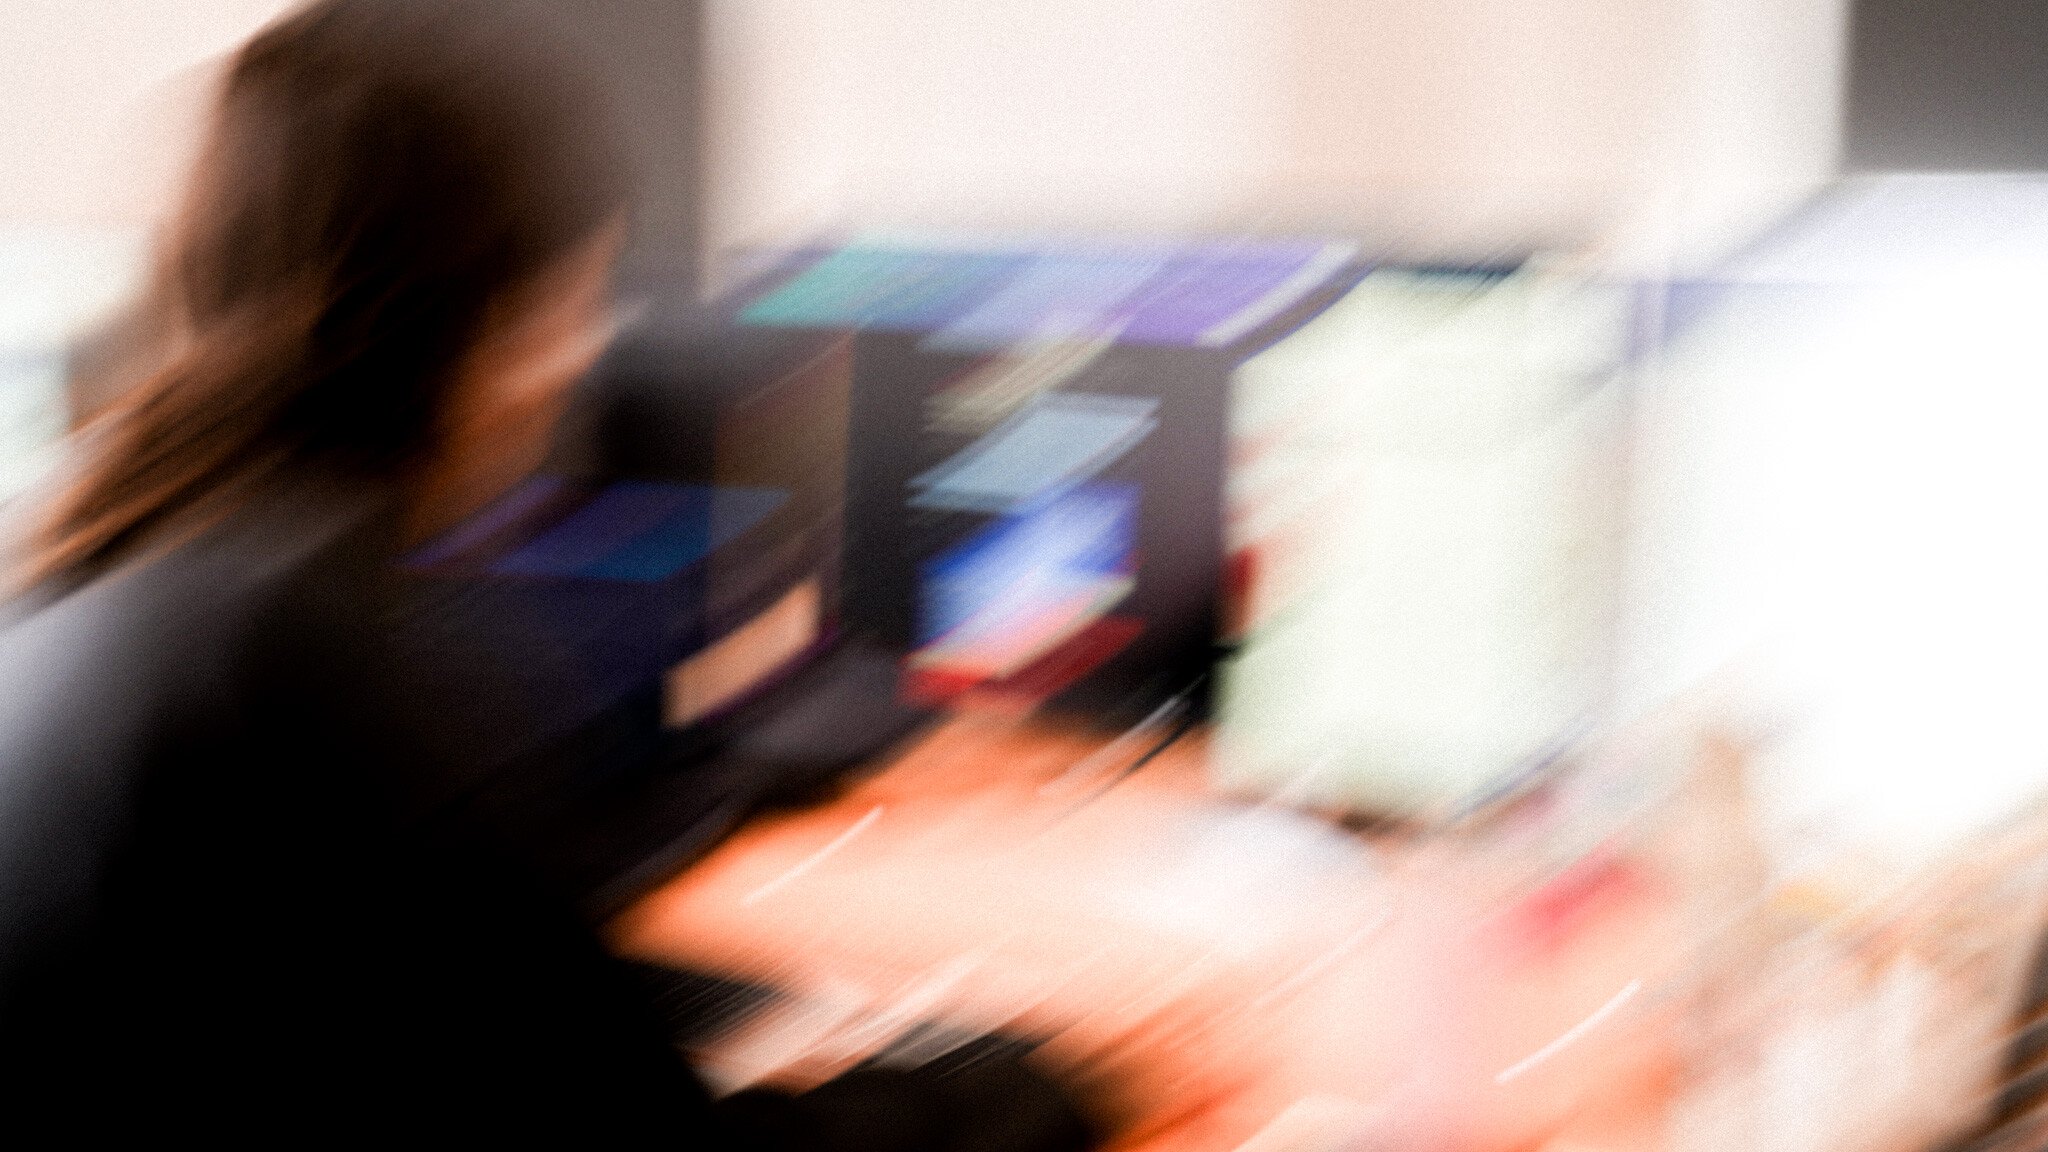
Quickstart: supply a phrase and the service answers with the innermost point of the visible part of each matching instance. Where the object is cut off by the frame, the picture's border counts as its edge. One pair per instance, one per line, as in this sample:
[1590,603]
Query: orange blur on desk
[1212,974]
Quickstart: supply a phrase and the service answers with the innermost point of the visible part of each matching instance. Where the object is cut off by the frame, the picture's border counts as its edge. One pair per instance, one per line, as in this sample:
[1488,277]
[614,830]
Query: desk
[1201,968]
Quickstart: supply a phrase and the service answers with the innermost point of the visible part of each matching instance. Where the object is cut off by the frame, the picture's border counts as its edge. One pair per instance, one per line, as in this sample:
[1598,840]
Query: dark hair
[376,175]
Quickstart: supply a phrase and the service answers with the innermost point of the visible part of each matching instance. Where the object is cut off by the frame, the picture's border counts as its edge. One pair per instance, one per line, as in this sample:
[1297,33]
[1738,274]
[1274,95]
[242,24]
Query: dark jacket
[238,894]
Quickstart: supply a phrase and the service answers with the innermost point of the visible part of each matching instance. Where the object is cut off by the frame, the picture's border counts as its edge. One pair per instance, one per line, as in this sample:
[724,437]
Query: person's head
[398,231]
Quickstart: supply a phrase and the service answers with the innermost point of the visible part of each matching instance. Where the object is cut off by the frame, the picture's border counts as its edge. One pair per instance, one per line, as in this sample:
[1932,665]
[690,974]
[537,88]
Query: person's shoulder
[87,680]
[130,682]
[180,615]
[312,526]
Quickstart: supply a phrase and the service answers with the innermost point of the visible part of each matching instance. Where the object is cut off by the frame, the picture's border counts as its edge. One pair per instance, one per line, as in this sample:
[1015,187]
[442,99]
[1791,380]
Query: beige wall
[99,109]
[1450,126]
[1475,124]
[1754,125]
[1443,123]
[98,99]
[1140,115]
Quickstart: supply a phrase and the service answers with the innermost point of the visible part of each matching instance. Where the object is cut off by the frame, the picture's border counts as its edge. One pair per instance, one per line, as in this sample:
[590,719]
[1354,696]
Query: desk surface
[1212,973]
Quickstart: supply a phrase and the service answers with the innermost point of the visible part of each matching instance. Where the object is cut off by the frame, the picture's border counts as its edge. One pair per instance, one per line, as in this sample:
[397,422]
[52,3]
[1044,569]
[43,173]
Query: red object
[1038,681]
[1545,920]
[1240,577]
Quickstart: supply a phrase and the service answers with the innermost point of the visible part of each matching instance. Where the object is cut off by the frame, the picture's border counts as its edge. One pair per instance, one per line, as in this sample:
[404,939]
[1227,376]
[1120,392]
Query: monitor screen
[1421,493]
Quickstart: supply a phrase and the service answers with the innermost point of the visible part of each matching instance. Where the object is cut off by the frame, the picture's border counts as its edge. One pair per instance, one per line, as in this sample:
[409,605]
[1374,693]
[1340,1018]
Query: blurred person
[238,894]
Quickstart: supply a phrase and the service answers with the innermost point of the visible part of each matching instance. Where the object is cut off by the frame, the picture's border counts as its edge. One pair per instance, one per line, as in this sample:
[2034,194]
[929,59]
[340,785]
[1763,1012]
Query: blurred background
[1579,454]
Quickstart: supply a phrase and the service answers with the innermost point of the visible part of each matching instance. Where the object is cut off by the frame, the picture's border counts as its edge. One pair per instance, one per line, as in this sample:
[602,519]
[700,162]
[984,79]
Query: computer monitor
[1037,453]
[1422,502]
